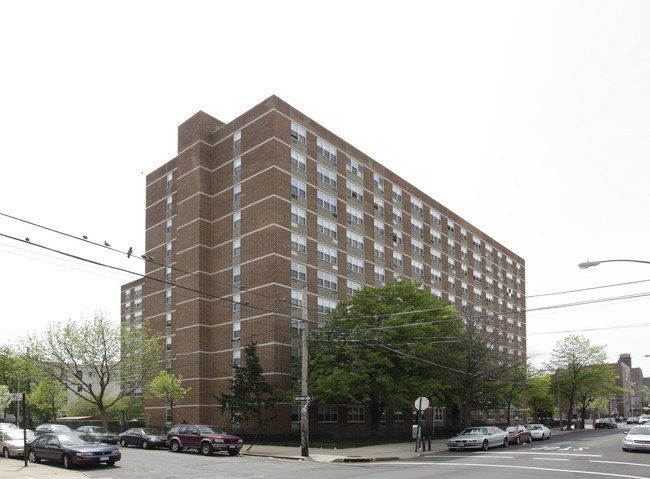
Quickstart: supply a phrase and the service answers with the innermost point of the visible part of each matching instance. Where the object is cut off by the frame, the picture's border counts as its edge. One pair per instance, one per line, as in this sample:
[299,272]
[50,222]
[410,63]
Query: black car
[72,449]
[51,428]
[100,433]
[605,422]
[145,437]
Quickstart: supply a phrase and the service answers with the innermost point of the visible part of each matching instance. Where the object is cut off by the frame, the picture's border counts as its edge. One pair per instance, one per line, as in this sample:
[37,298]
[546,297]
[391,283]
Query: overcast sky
[528,119]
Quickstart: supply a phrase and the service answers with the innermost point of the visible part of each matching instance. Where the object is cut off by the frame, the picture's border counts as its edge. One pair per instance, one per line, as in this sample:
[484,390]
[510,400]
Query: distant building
[250,212]
[630,379]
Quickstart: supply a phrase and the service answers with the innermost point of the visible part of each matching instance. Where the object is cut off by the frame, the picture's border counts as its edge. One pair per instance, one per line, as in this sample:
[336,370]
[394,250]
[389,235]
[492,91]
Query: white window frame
[298,271]
[297,160]
[326,227]
[354,239]
[298,215]
[298,133]
[354,166]
[326,280]
[326,175]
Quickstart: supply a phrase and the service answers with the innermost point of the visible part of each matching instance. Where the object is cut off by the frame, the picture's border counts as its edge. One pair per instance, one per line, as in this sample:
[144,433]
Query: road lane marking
[539,453]
[623,463]
[551,459]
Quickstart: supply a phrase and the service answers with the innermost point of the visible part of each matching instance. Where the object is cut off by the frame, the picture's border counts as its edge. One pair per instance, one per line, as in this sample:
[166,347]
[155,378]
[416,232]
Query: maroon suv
[206,439]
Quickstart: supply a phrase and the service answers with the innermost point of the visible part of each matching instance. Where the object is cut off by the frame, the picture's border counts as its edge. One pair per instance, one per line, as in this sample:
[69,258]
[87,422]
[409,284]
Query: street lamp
[589,264]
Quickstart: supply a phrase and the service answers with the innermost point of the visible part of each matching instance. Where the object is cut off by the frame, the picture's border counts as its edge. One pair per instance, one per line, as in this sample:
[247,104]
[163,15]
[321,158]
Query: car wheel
[5,453]
[33,457]
[145,444]
[123,443]
[626,449]
[530,439]
[485,446]
[505,442]
[233,453]
[206,449]
[110,463]
[549,436]
[175,446]
[67,461]
[518,441]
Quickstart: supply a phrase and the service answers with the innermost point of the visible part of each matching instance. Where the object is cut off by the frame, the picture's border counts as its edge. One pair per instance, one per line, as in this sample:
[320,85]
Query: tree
[516,384]
[5,397]
[574,359]
[540,397]
[250,394]
[88,357]
[599,381]
[167,387]
[47,398]
[376,349]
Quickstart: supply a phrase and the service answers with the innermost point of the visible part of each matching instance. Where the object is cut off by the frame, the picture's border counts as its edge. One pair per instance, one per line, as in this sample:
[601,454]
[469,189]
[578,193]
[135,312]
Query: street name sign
[302,398]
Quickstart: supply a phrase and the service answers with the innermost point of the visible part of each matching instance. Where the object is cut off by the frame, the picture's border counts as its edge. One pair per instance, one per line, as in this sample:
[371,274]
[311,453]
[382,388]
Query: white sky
[528,119]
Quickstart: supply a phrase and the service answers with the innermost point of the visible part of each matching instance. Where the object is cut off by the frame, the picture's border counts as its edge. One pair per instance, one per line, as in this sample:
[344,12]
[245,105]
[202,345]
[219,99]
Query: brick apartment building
[251,211]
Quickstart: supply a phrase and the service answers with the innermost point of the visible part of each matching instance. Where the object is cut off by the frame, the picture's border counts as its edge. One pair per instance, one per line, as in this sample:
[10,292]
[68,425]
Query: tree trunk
[104,415]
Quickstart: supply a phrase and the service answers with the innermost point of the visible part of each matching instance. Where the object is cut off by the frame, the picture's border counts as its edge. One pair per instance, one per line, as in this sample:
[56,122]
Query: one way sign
[16,396]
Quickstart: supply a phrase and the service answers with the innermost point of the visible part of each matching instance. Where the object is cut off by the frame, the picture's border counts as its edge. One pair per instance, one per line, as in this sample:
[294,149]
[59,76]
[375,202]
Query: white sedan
[539,431]
[482,437]
[637,439]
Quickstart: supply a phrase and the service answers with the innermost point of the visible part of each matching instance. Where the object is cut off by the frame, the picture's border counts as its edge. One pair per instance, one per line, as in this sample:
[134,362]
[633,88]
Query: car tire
[485,446]
[625,449]
[233,453]
[110,463]
[123,443]
[518,441]
[505,442]
[530,439]
[175,446]
[5,453]
[145,444]
[33,457]
[451,449]
[206,449]
[67,461]
[549,436]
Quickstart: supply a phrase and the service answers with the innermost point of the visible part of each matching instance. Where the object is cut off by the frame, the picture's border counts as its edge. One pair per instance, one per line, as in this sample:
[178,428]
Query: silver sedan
[482,437]
[637,439]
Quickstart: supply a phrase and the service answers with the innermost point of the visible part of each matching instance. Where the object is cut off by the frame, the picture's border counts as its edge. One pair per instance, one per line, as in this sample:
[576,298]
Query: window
[451,246]
[236,302]
[378,203]
[355,265]
[450,226]
[236,358]
[436,276]
[463,234]
[397,237]
[298,271]
[298,243]
[326,253]
[168,227]
[464,289]
[463,252]
[353,167]
[296,298]
[380,252]
[380,273]
[354,191]
[237,167]
[325,175]
[325,149]
[452,264]
[397,193]
[326,227]
[398,259]
[417,267]
[476,242]
[236,330]
[168,320]
[298,134]
[326,280]
[417,247]
[379,227]
[464,270]
[168,343]
[326,201]
[236,275]
[397,215]
[438,414]
[328,414]
[417,226]
[236,140]
[435,217]
[477,259]
[416,205]
[236,220]
[356,414]
[452,283]
[236,247]
[170,179]
[378,181]
[352,289]
[298,161]
[353,215]
[436,256]
[237,193]
[298,189]
[436,237]
[354,239]
[326,305]
[298,215]
[169,203]
[168,250]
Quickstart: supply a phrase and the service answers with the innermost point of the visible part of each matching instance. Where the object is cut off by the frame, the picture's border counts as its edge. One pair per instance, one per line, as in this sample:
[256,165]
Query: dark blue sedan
[72,449]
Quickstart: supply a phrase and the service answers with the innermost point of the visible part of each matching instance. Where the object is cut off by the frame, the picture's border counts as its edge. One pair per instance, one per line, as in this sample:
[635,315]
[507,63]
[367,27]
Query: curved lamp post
[589,264]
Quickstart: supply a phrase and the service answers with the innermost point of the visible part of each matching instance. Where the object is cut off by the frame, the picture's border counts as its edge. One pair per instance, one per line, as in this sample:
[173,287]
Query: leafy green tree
[376,350]
[540,397]
[599,382]
[167,388]
[643,393]
[47,398]
[105,354]
[5,397]
[516,384]
[250,395]
[574,359]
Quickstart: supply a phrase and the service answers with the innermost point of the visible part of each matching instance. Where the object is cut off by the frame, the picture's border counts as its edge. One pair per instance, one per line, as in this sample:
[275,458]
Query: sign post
[21,397]
[421,404]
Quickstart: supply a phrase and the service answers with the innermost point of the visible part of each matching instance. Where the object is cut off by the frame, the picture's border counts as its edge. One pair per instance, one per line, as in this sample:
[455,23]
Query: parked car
[72,449]
[145,437]
[518,434]
[632,420]
[605,422]
[482,437]
[7,425]
[100,433]
[539,431]
[12,441]
[51,428]
[206,439]
[643,419]
[637,439]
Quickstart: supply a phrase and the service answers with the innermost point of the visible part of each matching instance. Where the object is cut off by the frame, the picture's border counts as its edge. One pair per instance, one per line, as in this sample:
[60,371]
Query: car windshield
[60,428]
[511,429]
[17,435]
[210,430]
[473,431]
[151,431]
[535,428]
[640,430]
[99,430]
[77,439]
[603,420]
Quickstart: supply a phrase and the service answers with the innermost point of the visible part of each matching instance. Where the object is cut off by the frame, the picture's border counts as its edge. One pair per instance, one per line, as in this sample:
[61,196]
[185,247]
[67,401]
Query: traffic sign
[421,404]
[302,398]
[16,396]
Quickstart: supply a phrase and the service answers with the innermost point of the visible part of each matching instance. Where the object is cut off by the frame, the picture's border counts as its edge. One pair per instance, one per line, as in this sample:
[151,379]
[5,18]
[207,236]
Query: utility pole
[559,403]
[304,407]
